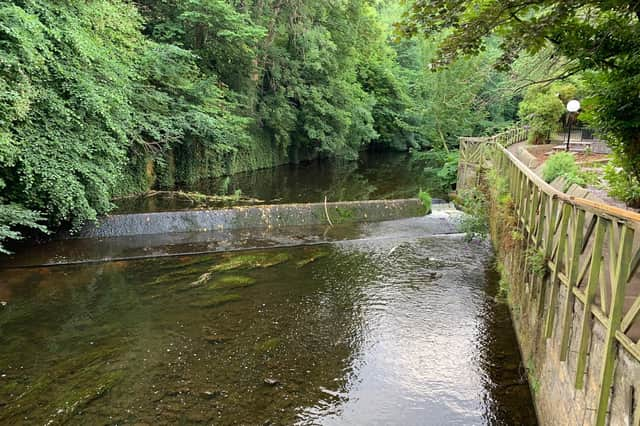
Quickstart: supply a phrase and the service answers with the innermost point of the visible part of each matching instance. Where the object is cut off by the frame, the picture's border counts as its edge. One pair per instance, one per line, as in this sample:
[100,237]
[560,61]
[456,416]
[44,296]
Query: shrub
[560,164]
[441,167]
[573,178]
[622,185]
[426,200]
[476,221]
[543,107]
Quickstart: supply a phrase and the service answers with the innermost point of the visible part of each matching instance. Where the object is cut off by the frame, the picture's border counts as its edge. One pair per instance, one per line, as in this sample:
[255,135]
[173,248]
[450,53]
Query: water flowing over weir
[389,319]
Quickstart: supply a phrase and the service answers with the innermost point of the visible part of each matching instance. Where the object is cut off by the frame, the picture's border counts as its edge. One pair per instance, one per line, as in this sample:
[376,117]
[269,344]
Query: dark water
[376,175]
[403,331]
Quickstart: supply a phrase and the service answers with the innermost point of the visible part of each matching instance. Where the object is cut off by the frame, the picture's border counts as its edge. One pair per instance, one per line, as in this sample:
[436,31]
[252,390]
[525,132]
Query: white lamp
[573,106]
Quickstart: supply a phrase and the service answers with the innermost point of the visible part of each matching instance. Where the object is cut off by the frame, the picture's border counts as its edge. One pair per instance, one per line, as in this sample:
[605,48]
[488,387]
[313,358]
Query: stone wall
[558,402]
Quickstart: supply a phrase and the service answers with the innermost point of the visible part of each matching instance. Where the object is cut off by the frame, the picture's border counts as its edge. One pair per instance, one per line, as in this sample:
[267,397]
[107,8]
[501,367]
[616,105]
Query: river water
[375,176]
[391,323]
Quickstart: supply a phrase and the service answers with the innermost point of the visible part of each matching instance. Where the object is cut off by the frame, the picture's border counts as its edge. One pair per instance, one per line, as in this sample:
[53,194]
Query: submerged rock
[210,394]
[330,392]
[268,345]
[214,339]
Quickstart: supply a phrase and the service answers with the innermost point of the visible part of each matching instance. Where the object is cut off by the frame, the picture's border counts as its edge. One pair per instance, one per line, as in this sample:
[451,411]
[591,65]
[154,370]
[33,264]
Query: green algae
[232,281]
[267,345]
[251,261]
[84,381]
[218,300]
[312,258]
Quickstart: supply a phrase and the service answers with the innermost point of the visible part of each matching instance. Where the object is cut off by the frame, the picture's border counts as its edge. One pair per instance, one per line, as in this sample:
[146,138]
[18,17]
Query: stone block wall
[557,400]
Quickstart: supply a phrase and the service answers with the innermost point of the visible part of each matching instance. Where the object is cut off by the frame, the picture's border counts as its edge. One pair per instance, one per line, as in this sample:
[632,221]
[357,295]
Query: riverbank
[570,266]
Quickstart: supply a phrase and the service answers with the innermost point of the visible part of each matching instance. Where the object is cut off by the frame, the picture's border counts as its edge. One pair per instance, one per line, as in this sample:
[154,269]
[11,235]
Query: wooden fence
[590,248]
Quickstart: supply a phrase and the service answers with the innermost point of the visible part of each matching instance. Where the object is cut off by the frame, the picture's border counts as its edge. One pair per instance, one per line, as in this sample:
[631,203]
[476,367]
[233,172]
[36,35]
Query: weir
[191,232]
[572,265]
[252,217]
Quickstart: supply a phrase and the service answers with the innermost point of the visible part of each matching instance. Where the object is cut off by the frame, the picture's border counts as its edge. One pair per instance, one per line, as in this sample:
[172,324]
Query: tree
[602,37]
[543,107]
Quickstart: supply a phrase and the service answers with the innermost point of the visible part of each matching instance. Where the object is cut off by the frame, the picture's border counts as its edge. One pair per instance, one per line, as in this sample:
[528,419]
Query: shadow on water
[376,175]
[402,331]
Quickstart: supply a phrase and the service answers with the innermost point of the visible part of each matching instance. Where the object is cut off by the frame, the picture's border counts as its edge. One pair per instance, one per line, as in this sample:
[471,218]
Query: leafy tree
[85,99]
[543,107]
[600,37]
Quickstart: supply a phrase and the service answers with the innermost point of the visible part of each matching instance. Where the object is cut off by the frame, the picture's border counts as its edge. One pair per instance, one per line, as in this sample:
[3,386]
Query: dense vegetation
[105,98]
[101,98]
[593,44]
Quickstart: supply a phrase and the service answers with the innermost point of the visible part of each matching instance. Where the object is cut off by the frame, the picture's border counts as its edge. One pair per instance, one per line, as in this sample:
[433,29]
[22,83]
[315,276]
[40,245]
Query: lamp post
[573,106]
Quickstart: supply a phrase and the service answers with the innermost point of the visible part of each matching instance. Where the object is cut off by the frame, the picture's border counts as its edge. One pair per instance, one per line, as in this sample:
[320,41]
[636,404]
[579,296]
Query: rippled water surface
[403,331]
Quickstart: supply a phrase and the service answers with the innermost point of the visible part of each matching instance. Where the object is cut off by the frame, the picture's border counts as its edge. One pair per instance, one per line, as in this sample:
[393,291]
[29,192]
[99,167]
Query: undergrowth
[536,261]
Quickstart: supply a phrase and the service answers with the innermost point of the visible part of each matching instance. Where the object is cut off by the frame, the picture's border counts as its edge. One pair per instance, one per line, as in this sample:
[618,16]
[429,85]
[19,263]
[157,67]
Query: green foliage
[441,166]
[560,164]
[500,186]
[108,98]
[622,185]
[517,236]
[543,108]
[426,200]
[475,222]
[14,215]
[503,283]
[599,40]
[574,178]
[614,109]
[563,164]
[542,111]
[88,102]
[536,261]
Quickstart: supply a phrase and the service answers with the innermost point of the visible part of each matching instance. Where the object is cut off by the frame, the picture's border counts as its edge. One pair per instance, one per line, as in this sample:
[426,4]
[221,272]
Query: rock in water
[271,382]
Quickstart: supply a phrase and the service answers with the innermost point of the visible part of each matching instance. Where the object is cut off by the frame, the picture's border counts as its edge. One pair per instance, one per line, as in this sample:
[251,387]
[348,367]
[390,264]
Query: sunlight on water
[388,331]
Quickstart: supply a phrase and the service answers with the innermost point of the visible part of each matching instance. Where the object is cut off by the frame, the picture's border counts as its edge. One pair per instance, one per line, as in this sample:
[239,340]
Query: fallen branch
[196,197]
[326,211]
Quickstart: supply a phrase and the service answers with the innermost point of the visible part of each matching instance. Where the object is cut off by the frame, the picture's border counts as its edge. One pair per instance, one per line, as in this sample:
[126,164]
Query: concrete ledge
[251,217]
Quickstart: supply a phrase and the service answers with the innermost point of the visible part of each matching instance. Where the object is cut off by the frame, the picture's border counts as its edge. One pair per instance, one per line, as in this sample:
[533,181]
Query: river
[391,324]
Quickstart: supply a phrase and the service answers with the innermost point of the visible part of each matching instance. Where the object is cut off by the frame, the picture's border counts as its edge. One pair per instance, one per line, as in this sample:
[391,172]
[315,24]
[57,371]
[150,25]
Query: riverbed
[384,327]
[386,323]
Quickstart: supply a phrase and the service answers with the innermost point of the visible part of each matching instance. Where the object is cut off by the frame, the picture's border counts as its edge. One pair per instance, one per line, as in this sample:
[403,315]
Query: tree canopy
[107,98]
[599,39]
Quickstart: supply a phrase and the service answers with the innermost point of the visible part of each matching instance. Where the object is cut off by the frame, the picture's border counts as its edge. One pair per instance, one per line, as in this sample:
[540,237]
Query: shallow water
[403,330]
[375,175]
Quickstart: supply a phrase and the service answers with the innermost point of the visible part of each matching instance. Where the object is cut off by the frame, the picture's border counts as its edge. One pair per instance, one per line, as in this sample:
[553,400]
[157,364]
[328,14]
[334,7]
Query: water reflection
[378,331]
[376,175]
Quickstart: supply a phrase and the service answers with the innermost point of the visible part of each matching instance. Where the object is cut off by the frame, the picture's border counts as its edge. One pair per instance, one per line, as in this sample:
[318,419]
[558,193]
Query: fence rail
[590,248]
